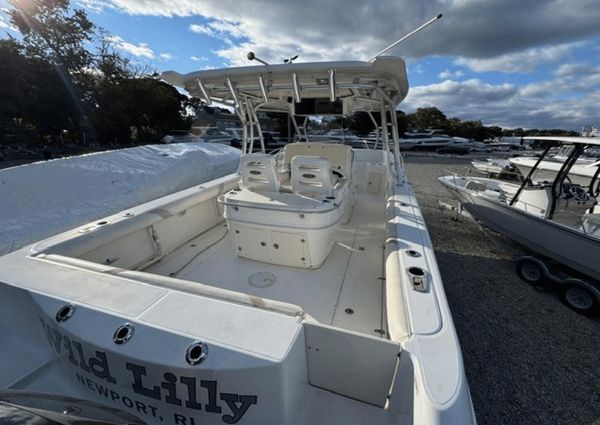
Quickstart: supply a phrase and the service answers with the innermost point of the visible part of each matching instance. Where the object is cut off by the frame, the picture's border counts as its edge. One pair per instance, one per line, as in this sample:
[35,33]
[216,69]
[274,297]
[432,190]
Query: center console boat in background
[555,217]
[301,290]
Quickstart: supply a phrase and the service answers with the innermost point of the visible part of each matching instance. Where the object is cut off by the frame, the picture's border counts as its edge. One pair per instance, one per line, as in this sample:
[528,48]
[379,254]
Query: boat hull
[563,244]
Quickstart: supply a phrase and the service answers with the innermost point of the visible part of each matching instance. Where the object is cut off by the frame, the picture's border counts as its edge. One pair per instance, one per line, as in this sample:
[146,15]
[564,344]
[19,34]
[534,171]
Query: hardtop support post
[562,174]
[527,179]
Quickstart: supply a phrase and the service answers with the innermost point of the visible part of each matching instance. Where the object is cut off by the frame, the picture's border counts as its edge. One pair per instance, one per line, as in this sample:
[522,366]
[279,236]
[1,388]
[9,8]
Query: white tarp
[45,198]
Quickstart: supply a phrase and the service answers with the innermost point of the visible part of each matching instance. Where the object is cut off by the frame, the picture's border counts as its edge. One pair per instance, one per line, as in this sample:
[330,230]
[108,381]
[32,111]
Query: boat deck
[346,291]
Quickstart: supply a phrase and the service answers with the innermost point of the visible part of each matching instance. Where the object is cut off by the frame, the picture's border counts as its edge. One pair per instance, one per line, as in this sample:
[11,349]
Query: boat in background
[430,140]
[580,173]
[507,143]
[493,166]
[556,219]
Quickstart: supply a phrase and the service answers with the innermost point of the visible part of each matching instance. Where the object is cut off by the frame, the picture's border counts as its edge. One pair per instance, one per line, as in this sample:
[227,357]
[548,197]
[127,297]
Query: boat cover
[46,198]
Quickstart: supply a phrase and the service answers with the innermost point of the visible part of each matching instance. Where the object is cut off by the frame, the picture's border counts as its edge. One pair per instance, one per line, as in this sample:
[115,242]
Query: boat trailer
[577,291]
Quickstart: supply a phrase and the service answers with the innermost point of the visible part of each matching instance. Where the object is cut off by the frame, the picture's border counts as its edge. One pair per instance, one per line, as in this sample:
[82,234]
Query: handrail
[530,174]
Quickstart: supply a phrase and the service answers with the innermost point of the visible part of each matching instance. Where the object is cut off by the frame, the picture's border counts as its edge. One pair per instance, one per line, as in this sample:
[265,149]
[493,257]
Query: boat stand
[457,209]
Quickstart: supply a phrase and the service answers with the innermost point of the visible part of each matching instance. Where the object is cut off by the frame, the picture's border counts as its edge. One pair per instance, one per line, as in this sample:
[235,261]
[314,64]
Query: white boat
[301,290]
[557,219]
[506,143]
[425,140]
[494,166]
[581,172]
[480,147]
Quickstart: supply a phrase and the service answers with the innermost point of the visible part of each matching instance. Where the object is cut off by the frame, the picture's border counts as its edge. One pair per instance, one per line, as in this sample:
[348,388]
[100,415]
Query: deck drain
[65,313]
[262,279]
[123,333]
[196,353]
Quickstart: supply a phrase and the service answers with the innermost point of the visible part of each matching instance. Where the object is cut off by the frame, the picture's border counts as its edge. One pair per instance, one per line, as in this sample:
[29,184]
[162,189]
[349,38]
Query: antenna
[394,44]
[252,57]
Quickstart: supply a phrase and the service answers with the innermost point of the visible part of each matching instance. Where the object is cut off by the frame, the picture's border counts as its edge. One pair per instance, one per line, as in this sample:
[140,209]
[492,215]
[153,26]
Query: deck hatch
[351,364]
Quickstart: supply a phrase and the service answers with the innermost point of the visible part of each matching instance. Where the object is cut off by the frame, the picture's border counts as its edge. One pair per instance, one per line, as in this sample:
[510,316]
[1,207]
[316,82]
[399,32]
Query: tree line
[64,82]
[424,119]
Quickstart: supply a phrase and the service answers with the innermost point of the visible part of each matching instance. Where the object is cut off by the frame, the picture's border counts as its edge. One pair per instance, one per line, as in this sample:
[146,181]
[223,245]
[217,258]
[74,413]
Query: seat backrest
[258,172]
[311,175]
[339,155]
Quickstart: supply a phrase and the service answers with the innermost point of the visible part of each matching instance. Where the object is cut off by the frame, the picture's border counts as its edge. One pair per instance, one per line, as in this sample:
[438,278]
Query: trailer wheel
[578,297]
[531,270]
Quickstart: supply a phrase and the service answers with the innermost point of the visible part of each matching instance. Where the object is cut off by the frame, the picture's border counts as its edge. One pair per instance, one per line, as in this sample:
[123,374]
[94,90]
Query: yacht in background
[507,143]
[430,140]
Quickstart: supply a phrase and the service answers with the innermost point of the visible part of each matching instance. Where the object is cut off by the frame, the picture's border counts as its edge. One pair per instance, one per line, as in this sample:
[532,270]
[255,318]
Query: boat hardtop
[385,76]
[301,290]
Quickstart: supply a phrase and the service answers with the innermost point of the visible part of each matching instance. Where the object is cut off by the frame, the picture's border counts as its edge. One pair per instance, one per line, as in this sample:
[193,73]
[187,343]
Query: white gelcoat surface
[349,278]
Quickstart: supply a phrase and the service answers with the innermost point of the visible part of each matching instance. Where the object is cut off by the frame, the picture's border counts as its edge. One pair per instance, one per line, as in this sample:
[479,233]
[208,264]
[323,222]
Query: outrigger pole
[394,44]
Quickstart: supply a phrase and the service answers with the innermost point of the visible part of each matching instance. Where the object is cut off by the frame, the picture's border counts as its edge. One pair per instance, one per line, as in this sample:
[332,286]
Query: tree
[147,105]
[60,84]
[432,117]
[494,131]
[360,123]
[33,100]
[51,31]
[403,122]
[57,35]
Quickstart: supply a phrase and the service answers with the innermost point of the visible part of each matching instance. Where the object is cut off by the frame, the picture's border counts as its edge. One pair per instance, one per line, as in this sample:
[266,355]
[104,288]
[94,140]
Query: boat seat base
[282,228]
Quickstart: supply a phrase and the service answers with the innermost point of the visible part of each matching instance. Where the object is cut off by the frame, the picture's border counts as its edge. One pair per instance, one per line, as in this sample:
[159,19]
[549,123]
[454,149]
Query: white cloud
[221,29]
[525,61]
[226,27]
[198,58]
[139,50]
[166,56]
[548,104]
[447,74]
[511,36]
[201,29]
[575,69]
[95,6]
[351,29]
[567,82]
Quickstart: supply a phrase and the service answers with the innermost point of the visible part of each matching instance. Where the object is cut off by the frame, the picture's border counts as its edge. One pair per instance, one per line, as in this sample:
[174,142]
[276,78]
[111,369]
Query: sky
[513,63]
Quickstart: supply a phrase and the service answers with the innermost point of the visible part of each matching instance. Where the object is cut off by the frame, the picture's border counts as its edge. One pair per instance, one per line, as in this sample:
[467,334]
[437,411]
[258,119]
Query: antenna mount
[252,57]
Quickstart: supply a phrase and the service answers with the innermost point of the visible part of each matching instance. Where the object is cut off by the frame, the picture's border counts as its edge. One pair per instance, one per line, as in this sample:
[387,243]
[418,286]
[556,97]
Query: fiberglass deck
[346,291]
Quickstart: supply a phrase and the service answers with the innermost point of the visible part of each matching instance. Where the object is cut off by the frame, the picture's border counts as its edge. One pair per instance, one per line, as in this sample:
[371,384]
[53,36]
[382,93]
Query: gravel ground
[528,358]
